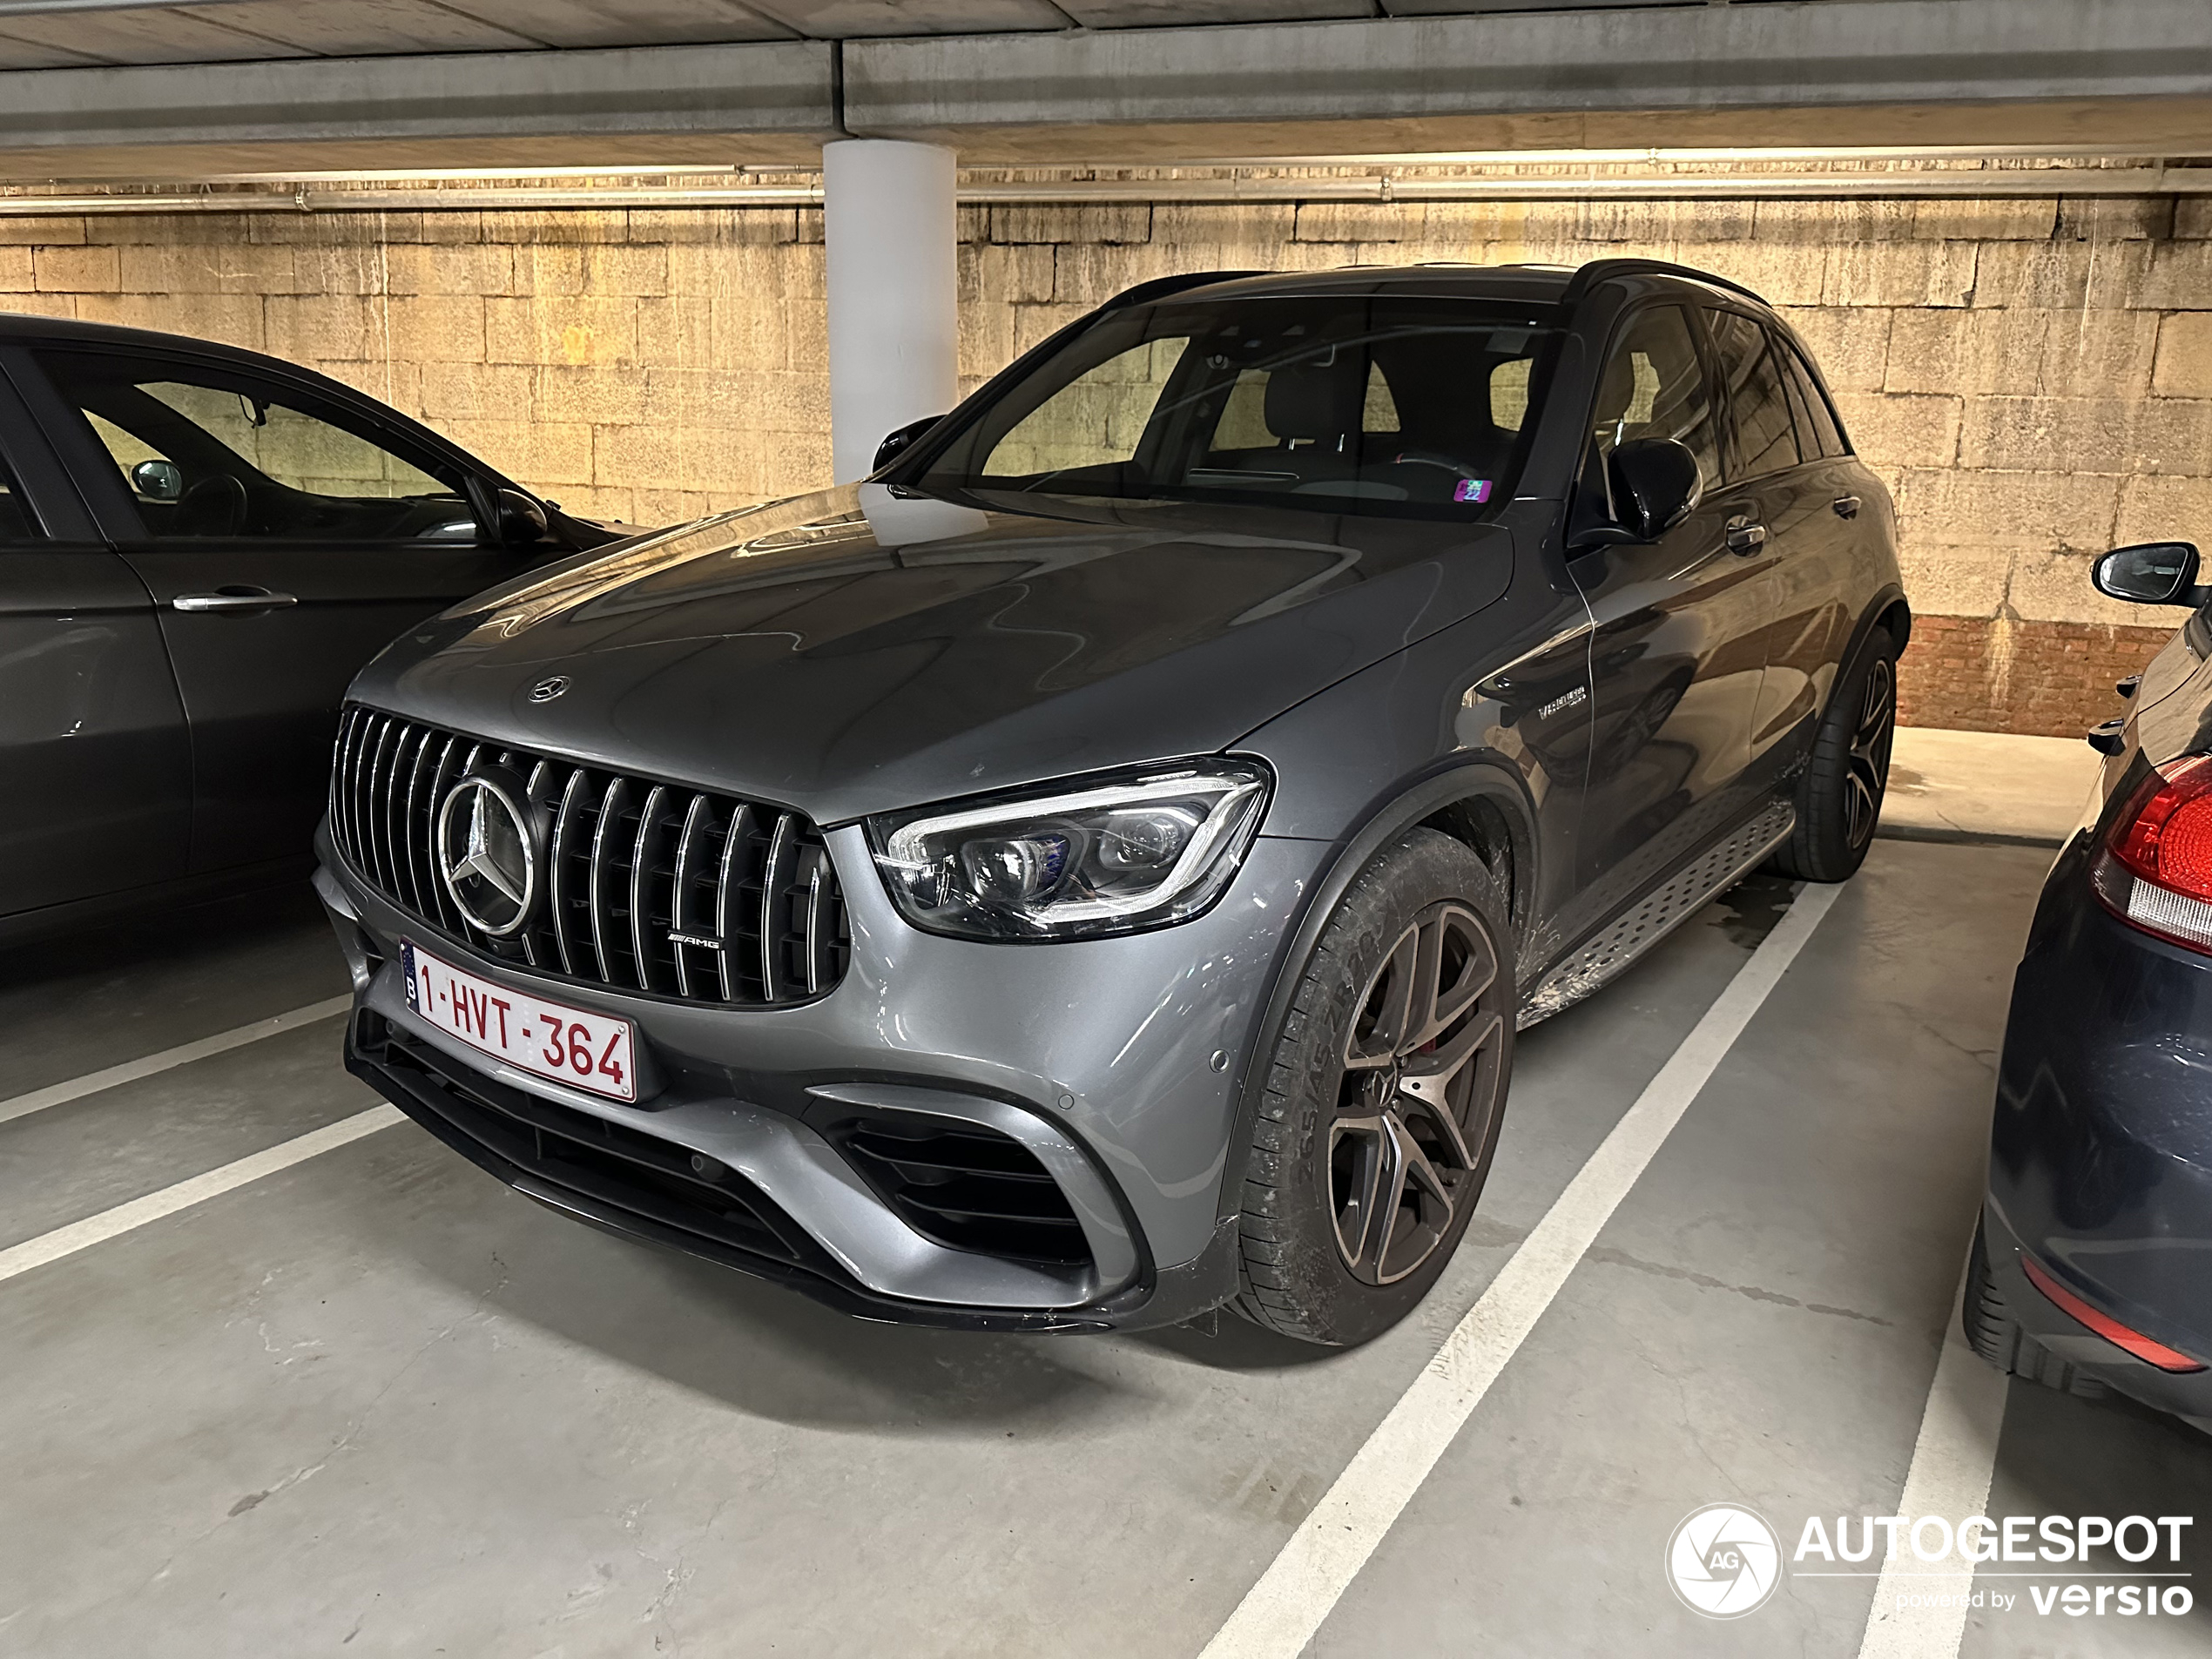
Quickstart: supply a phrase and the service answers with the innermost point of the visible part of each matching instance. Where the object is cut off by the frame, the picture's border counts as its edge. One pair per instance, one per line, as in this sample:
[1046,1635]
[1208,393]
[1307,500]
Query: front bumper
[1115,1062]
[2100,1154]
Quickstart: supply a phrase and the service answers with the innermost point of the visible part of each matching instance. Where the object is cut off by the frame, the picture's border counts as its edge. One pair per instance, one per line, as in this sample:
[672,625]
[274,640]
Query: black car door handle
[232,599]
[1745,537]
[1846,506]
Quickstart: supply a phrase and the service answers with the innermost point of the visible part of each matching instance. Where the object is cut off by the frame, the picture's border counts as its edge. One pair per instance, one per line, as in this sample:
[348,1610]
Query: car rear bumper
[1109,1066]
[2100,1153]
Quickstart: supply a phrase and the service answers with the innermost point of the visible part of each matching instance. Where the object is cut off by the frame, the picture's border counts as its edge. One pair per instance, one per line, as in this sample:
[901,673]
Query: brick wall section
[2044,679]
[2033,380]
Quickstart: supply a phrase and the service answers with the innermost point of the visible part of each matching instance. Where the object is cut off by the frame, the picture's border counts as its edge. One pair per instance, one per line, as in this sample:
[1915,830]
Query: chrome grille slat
[726,884]
[558,893]
[602,917]
[773,902]
[696,816]
[641,875]
[628,861]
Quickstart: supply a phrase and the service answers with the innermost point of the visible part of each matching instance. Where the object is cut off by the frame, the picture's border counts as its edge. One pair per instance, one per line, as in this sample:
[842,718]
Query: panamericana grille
[624,864]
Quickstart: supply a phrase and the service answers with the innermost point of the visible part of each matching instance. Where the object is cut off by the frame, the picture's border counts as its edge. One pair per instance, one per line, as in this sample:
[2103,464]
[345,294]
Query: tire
[1839,794]
[1377,1129]
[1997,1337]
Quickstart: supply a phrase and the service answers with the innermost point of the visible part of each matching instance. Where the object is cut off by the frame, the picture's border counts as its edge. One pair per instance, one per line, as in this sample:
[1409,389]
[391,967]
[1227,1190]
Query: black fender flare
[1889,602]
[1490,780]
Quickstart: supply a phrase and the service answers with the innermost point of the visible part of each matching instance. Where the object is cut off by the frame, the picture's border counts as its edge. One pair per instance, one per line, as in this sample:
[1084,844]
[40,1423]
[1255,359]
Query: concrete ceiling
[52,33]
[160,92]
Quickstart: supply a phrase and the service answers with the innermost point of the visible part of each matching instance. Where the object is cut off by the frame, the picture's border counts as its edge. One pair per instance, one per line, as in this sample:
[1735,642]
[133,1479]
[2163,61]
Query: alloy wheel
[1421,1077]
[1870,755]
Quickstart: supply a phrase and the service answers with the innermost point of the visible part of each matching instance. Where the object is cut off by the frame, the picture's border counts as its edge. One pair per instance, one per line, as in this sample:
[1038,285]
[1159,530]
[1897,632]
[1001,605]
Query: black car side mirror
[2149,573]
[1656,481]
[521,520]
[157,480]
[901,441]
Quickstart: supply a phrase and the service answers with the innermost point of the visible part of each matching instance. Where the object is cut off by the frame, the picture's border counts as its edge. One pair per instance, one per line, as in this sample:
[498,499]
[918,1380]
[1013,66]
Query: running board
[1608,953]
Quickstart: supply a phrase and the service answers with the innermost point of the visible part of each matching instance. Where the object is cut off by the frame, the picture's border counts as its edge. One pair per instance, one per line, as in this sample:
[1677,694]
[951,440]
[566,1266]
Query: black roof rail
[1588,276]
[1160,287]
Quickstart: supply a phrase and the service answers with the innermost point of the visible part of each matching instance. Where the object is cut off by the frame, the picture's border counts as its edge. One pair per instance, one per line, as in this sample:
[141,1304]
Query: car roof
[1522,284]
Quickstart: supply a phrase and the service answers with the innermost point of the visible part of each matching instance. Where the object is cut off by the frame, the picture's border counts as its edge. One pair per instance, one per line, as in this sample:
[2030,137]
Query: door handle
[1846,506]
[1743,537]
[225,600]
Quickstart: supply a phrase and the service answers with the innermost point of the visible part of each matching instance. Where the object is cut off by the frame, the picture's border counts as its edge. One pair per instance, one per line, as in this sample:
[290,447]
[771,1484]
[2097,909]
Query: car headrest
[1318,399]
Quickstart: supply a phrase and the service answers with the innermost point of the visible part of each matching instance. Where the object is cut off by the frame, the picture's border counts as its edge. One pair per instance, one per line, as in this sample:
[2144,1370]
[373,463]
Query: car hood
[864,650]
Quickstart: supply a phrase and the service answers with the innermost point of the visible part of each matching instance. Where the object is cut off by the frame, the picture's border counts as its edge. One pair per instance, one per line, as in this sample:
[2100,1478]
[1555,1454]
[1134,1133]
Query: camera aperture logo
[1724,1560]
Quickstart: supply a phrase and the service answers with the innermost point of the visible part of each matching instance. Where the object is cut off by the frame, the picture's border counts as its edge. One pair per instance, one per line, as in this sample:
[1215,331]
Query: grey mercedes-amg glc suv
[1093,871]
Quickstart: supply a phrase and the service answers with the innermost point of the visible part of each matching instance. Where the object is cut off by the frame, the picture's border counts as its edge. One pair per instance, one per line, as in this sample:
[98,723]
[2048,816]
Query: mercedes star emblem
[546,689]
[487,854]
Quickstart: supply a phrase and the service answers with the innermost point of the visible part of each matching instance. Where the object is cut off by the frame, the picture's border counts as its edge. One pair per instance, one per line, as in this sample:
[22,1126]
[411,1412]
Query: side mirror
[1656,483]
[901,441]
[2150,573]
[157,480]
[521,520]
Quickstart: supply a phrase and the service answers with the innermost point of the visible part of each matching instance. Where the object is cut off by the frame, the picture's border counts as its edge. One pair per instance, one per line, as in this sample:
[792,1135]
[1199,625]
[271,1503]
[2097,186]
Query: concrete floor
[377,1404]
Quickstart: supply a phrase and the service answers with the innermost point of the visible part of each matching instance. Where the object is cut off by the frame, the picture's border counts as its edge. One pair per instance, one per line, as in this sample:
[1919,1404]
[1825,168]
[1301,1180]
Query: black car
[2089,1271]
[199,546]
[1093,871]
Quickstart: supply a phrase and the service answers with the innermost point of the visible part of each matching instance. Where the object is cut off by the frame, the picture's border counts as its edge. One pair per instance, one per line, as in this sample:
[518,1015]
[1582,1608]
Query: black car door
[95,774]
[1675,645]
[286,537]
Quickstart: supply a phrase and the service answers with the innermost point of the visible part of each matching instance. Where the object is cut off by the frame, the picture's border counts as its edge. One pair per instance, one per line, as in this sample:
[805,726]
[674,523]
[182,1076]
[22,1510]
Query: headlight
[1111,855]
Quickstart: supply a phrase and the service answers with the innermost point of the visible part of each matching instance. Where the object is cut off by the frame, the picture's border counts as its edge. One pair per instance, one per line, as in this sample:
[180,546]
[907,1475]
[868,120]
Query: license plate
[550,1040]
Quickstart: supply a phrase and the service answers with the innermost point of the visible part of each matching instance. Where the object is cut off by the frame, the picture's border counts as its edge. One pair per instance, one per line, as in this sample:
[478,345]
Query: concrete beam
[1836,72]
[772,102]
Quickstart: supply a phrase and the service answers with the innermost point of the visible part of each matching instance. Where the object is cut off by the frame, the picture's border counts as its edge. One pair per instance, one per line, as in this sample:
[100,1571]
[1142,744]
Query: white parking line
[109,1223]
[183,1055]
[1952,1461]
[1280,1614]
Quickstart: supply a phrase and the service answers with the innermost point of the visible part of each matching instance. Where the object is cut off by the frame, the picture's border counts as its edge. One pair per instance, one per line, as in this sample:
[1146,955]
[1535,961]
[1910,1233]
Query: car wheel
[1839,795]
[1383,1097]
[1997,1337]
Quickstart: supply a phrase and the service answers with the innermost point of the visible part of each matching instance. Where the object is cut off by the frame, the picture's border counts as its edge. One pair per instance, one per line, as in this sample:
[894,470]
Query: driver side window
[210,454]
[1654,385]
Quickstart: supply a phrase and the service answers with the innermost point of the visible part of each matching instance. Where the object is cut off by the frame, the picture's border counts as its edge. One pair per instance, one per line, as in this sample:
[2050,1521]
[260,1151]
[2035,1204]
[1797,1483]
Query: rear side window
[1759,407]
[1817,431]
[16,524]
[208,452]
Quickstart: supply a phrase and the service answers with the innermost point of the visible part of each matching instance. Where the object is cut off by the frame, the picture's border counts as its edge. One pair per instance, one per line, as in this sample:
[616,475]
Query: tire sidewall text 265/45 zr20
[1398,1018]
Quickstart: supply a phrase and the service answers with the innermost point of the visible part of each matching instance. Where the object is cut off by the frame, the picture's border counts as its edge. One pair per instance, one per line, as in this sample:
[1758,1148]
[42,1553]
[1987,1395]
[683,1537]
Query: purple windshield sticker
[1471,489]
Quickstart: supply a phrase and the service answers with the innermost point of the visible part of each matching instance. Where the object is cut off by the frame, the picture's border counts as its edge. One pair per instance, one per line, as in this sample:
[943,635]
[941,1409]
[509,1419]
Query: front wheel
[1383,1096]
[1839,796]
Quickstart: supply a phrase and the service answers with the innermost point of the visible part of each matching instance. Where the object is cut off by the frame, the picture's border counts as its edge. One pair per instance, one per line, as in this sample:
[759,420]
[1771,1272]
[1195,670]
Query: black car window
[1341,404]
[211,453]
[1758,408]
[16,524]
[1654,385]
[1821,434]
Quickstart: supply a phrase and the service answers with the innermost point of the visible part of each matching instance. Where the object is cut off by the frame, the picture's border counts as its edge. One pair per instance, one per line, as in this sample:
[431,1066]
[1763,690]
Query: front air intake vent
[969,1187]
[639,886]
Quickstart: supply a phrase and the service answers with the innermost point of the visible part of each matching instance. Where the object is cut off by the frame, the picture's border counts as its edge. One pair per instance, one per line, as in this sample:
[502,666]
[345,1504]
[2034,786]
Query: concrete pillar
[893,229]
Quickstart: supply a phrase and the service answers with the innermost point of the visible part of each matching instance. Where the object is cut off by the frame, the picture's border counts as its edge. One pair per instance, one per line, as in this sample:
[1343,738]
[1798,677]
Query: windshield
[1340,403]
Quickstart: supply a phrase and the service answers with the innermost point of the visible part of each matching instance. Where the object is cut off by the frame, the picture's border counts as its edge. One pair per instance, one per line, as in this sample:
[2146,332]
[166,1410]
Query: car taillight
[2155,867]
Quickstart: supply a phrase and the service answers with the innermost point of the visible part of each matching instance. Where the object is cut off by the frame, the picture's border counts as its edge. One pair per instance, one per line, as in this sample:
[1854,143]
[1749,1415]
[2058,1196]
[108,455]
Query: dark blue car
[2093,1270]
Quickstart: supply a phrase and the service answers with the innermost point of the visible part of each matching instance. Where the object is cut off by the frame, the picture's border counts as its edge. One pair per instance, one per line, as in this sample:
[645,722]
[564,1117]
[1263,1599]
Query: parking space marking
[110,1223]
[1281,1613]
[183,1055]
[1952,1461]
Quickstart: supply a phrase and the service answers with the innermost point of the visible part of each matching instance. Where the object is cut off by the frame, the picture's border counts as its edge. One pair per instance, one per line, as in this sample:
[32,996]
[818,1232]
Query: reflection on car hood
[859,651]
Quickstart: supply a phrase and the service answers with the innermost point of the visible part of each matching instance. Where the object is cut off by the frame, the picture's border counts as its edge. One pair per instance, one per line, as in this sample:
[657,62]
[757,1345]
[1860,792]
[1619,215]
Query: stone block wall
[2033,380]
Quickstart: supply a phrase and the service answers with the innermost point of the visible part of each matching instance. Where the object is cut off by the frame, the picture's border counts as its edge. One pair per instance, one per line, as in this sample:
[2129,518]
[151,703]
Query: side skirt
[1610,951]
